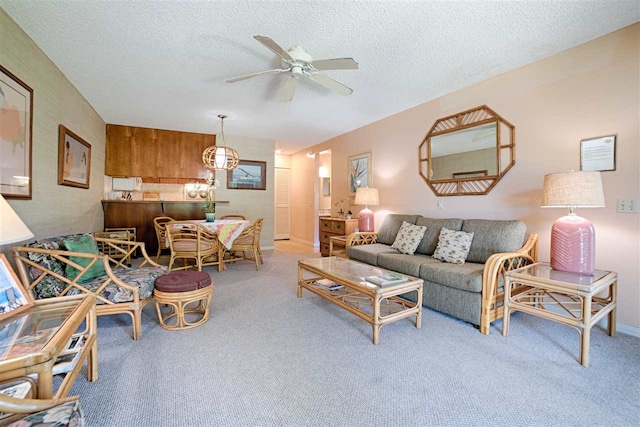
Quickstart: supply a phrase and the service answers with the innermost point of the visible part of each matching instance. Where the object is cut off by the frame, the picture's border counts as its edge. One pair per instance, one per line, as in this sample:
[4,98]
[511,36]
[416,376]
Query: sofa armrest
[356,239]
[493,281]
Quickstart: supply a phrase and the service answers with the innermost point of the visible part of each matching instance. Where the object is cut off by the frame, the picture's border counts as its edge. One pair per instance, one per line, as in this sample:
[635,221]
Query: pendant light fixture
[220,157]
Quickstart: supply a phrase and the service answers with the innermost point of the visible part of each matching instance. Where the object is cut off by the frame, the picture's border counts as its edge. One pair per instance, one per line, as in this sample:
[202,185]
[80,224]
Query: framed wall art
[74,159]
[248,175]
[16,122]
[13,297]
[598,154]
[359,172]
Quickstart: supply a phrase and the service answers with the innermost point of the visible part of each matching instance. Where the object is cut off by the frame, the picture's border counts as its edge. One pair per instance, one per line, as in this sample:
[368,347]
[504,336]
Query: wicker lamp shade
[220,157]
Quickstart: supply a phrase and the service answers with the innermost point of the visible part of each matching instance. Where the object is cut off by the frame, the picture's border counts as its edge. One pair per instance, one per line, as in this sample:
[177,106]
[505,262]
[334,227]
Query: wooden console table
[39,337]
[572,295]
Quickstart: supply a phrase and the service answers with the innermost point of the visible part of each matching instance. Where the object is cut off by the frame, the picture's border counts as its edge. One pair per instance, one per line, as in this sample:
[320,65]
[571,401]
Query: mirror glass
[465,153]
[326,186]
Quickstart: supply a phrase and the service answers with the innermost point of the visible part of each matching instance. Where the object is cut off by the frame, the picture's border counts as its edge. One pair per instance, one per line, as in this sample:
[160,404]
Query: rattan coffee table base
[179,303]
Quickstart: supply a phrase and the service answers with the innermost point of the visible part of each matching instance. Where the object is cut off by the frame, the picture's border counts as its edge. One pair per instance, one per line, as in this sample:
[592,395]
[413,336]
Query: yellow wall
[588,91]
[54,209]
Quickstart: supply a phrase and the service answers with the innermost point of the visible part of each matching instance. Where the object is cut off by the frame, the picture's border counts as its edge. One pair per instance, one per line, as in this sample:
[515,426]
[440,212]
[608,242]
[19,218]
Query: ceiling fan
[299,63]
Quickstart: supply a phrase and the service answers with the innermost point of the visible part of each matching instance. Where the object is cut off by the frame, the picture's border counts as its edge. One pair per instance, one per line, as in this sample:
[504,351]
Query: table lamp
[12,229]
[366,196]
[573,237]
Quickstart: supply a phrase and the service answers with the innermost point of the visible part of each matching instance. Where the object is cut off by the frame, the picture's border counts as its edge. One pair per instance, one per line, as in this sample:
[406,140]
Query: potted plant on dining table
[210,205]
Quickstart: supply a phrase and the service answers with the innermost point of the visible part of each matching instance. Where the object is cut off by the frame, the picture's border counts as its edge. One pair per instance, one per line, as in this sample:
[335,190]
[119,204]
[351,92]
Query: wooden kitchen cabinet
[155,153]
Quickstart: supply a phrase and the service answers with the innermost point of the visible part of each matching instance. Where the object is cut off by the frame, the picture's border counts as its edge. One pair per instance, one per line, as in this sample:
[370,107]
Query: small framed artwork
[248,175]
[598,154]
[13,297]
[16,118]
[74,159]
[359,172]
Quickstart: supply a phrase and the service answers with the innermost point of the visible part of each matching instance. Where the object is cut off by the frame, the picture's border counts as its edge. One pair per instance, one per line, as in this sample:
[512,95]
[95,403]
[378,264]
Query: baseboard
[304,242]
[623,329]
[267,248]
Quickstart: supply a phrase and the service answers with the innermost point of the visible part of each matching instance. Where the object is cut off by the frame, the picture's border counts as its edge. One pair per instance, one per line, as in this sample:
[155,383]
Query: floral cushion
[68,414]
[453,246]
[49,286]
[144,278]
[408,238]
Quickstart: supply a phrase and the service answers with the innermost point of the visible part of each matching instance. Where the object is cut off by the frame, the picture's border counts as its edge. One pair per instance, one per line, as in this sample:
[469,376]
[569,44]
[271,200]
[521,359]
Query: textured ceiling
[163,64]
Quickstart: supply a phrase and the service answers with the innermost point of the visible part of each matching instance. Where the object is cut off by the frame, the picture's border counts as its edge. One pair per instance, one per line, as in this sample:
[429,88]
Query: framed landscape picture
[74,159]
[359,172]
[248,175]
[16,117]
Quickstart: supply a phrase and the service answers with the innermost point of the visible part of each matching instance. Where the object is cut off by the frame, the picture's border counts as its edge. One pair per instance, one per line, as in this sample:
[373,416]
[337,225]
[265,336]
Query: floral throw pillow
[408,238]
[453,246]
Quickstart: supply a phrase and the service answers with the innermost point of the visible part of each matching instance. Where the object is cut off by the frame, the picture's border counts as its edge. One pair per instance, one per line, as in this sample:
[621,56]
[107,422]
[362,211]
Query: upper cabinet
[155,153]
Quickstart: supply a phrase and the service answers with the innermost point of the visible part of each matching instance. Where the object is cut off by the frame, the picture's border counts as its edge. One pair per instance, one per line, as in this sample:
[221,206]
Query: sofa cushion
[144,278]
[493,236]
[391,225]
[403,263]
[430,239]
[63,415]
[408,238]
[466,277]
[369,253]
[453,246]
[85,244]
[49,286]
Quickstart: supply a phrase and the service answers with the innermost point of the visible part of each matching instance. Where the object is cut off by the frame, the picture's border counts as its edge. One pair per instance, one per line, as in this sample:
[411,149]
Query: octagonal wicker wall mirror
[468,153]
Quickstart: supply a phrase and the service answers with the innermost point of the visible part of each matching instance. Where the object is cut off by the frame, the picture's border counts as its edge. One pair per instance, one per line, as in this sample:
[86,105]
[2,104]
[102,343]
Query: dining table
[227,230]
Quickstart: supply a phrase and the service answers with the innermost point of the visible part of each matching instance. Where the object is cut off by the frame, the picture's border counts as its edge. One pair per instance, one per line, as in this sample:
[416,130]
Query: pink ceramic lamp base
[573,245]
[365,220]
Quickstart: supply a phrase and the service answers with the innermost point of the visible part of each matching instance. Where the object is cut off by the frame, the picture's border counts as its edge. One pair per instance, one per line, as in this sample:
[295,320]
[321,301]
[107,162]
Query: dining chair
[161,234]
[190,240]
[247,241]
[233,216]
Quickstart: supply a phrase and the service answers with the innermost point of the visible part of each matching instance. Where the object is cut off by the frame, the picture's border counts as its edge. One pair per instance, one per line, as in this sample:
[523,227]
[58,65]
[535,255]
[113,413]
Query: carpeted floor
[267,358]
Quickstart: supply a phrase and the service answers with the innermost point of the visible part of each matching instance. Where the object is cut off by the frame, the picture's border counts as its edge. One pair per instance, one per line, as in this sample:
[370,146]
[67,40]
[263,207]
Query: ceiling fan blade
[289,88]
[335,64]
[274,47]
[331,84]
[248,76]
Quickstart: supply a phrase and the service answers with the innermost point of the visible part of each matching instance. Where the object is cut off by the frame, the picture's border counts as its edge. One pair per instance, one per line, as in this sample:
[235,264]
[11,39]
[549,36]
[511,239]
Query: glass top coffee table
[350,285]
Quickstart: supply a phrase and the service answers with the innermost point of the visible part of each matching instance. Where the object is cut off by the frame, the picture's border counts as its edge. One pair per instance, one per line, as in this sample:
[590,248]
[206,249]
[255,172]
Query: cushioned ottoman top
[183,281]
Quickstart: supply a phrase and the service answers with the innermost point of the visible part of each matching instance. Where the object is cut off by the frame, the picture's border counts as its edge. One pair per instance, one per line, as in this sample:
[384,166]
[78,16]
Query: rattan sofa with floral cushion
[71,265]
[462,262]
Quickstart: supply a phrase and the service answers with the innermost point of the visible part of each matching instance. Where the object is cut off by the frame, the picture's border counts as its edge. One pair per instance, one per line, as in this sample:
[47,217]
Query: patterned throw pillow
[408,238]
[453,246]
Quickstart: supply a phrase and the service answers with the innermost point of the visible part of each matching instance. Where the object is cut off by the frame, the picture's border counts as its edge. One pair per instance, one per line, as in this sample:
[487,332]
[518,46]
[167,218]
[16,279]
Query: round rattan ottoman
[185,292]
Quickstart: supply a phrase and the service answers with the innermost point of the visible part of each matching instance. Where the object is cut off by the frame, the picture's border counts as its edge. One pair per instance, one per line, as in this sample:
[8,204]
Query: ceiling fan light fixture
[220,157]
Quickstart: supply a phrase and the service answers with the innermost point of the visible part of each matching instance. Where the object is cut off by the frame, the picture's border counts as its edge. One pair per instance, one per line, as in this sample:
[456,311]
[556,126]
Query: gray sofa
[471,291]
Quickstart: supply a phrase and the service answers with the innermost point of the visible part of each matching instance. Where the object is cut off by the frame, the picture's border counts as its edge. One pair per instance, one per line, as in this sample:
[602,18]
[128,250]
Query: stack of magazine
[69,356]
[329,284]
[387,279]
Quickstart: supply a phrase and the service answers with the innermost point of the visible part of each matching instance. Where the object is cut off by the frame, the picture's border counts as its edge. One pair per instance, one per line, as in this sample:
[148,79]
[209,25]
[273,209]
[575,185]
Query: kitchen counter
[140,214]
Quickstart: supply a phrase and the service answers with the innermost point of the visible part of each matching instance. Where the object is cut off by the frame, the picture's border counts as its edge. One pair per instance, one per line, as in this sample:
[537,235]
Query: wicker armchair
[233,216]
[248,241]
[45,265]
[190,240]
[158,223]
[41,412]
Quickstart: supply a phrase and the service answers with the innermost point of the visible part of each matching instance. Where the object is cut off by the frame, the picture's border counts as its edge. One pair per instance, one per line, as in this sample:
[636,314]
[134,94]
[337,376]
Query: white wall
[54,209]
[588,91]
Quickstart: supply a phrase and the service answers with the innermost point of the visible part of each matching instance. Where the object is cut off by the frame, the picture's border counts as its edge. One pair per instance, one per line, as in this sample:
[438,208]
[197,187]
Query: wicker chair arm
[356,239]
[127,248]
[26,406]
